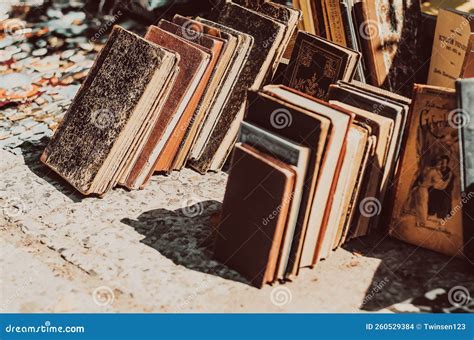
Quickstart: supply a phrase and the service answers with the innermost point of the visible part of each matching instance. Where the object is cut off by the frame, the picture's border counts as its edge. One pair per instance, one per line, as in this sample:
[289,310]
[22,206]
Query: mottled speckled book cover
[84,144]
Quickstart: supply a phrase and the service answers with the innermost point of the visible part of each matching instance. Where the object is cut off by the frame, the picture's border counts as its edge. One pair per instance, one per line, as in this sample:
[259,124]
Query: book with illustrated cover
[317,63]
[428,191]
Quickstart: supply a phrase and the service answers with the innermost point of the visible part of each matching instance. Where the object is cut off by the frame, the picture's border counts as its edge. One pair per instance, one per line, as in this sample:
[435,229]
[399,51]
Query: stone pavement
[151,251]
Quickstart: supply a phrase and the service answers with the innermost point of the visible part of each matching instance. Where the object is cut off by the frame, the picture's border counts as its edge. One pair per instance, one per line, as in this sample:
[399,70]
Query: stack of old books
[175,96]
[321,159]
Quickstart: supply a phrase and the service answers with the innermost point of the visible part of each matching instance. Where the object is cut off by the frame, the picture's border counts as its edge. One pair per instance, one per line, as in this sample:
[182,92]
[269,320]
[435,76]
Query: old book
[212,50]
[223,69]
[182,101]
[373,183]
[211,78]
[356,146]
[453,35]
[317,63]
[292,154]
[267,34]
[98,130]
[463,118]
[330,168]
[428,189]
[254,214]
[223,95]
[307,16]
[303,126]
[284,14]
[388,33]
[344,228]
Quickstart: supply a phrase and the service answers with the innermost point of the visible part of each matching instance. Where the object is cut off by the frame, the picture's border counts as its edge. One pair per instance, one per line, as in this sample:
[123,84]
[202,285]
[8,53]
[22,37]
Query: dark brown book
[388,33]
[302,126]
[317,63]
[267,34]
[254,214]
[124,86]
[182,101]
[428,188]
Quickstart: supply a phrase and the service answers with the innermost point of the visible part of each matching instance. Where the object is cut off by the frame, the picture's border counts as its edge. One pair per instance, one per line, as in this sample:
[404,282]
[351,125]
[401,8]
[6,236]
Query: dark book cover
[267,34]
[103,107]
[254,214]
[314,65]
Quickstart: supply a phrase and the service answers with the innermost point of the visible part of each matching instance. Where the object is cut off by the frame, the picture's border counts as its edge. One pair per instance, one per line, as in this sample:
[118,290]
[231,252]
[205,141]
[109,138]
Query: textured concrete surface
[151,251]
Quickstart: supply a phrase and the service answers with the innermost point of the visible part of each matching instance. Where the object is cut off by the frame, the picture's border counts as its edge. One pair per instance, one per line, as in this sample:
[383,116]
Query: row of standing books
[324,158]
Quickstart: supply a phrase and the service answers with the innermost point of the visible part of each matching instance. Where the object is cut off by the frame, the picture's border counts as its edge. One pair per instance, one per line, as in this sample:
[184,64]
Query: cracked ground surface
[151,251]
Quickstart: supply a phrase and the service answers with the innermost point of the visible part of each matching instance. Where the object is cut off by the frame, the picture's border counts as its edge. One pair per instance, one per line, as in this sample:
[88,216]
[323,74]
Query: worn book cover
[254,214]
[427,210]
[293,154]
[267,34]
[225,90]
[301,125]
[388,31]
[317,63]
[192,65]
[88,140]
[451,46]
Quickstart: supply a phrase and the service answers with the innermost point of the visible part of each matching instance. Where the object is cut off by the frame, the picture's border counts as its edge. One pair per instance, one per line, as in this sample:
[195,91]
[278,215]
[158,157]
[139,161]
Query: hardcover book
[254,214]
[129,79]
[317,63]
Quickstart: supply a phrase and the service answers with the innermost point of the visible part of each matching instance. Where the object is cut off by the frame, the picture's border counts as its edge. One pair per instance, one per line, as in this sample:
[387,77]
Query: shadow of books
[31,154]
[407,272]
[186,236]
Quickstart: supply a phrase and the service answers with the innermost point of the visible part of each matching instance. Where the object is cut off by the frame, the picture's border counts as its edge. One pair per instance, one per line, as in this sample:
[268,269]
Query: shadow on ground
[186,236]
[407,272]
[31,154]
